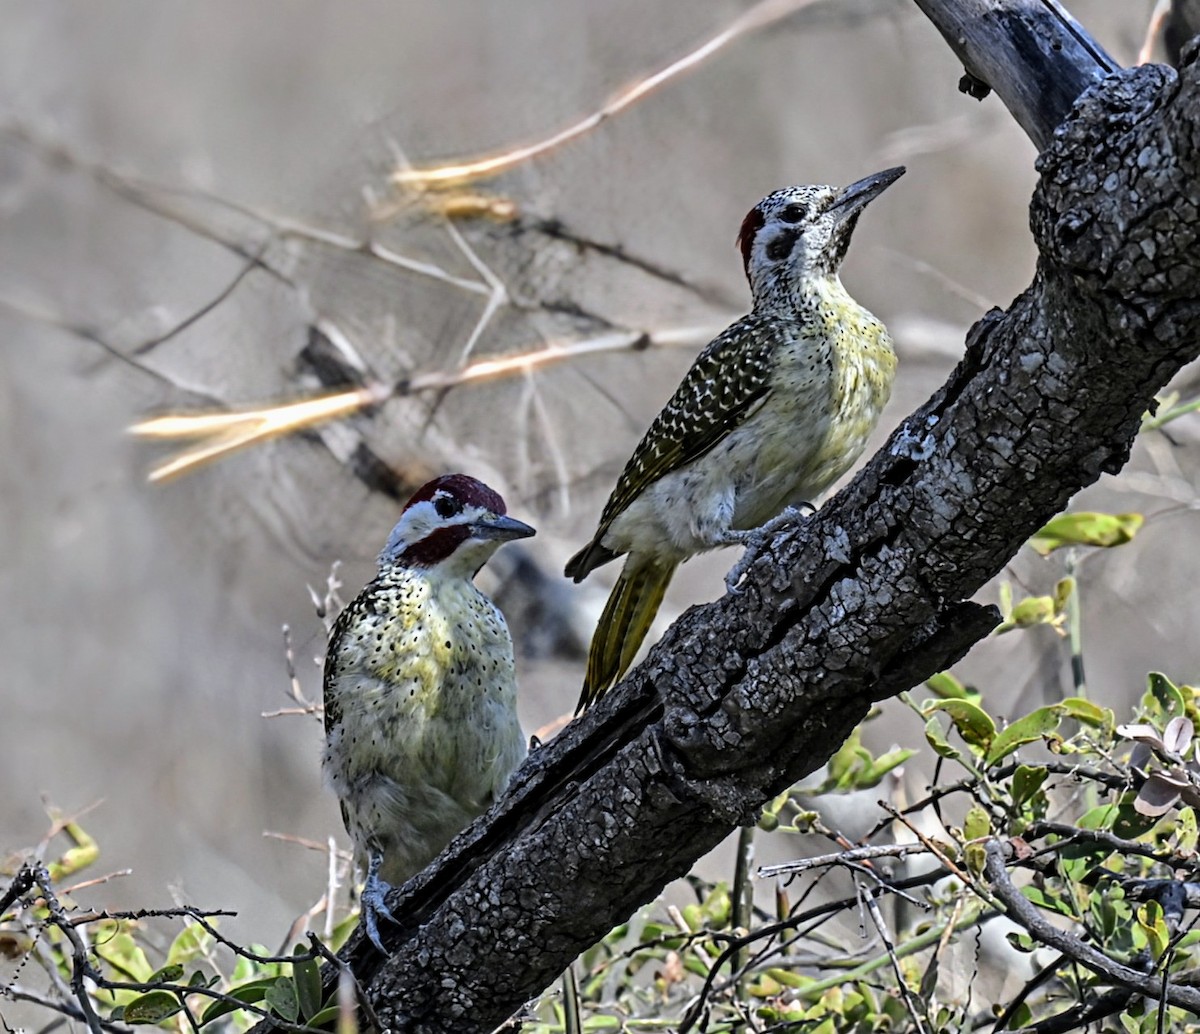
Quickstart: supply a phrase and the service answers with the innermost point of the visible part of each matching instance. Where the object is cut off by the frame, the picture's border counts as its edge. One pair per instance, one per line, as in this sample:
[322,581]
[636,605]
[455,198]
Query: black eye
[781,246]
[447,506]
[793,213]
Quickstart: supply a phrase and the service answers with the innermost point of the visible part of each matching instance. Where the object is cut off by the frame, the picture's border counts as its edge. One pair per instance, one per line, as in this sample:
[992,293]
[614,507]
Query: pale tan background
[141,639]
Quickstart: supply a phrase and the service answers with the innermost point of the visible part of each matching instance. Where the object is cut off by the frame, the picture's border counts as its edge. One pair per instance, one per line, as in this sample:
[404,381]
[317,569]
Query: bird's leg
[371,902]
[755,540]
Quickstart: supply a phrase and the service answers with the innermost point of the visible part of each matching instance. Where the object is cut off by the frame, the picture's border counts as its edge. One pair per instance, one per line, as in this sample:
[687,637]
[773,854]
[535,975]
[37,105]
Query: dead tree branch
[746,695]
[1035,56]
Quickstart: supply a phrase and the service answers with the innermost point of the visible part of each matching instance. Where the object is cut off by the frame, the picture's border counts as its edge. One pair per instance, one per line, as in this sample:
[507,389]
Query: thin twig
[1102,838]
[855,854]
[453,175]
[96,881]
[80,968]
[226,431]
[867,896]
[16,993]
[344,970]
[136,915]
[22,883]
[311,845]
[818,913]
[331,886]
[1158,17]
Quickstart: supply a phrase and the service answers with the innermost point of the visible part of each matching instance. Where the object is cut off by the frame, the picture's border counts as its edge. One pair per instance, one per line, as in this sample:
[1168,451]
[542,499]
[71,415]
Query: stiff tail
[627,617]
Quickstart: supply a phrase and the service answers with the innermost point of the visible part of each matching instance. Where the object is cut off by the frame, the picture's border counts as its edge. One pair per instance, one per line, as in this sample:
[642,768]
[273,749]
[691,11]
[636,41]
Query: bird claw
[756,539]
[372,904]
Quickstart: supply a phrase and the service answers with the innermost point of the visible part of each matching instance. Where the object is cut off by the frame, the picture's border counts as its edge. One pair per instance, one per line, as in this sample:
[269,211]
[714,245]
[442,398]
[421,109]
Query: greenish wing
[724,383]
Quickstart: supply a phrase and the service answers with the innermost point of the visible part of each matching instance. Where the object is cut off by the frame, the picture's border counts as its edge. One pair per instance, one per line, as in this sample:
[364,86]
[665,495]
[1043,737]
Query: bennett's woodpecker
[421,731]
[770,414]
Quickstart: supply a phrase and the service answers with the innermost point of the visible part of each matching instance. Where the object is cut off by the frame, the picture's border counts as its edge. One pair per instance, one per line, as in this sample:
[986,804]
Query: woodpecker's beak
[502,528]
[854,198]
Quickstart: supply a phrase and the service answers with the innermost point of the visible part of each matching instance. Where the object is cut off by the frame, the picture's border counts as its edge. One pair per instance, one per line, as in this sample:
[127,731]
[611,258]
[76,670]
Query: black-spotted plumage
[769,415]
[722,386]
[421,730]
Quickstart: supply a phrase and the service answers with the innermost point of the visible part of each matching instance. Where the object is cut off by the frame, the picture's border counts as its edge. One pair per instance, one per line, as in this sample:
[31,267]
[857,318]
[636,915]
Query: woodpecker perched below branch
[421,731]
[771,413]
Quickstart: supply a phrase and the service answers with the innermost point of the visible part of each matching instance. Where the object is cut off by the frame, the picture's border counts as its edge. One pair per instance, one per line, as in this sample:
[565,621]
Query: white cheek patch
[415,523]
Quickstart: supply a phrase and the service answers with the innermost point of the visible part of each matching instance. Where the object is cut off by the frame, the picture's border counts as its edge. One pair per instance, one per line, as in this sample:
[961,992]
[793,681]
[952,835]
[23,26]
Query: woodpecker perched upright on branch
[421,731]
[770,414]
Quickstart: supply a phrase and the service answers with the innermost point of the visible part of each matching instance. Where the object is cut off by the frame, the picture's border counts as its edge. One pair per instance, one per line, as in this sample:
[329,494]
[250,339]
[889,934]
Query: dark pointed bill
[855,197]
[502,528]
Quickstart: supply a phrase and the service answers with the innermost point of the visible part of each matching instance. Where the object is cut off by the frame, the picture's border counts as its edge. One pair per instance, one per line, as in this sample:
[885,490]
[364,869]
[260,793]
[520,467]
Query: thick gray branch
[1035,56]
[748,694]
[1045,932]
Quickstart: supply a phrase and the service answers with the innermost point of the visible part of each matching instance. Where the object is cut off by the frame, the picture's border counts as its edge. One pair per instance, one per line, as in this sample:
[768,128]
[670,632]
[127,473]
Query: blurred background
[196,212]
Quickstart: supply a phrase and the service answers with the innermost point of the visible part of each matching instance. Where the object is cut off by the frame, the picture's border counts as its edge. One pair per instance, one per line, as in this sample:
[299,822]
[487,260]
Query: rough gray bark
[1035,56]
[1183,23]
[746,695]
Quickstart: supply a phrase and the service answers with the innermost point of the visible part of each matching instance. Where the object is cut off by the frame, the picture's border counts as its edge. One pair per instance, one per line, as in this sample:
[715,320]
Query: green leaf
[1032,610]
[1021,941]
[342,932]
[1150,919]
[1024,730]
[1064,589]
[975,855]
[977,823]
[169,974]
[1161,691]
[947,687]
[249,994]
[973,723]
[1052,902]
[323,1018]
[152,1007]
[122,951]
[1026,781]
[192,943]
[766,986]
[881,766]
[1022,1017]
[1086,529]
[307,976]
[844,758]
[1121,818]
[281,999]
[936,736]
[1187,833]
[718,906]
[1083,710]
[789,979]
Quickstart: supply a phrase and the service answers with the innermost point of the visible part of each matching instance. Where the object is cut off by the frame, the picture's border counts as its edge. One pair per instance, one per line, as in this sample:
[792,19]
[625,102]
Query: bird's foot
[756,539]
[372,904]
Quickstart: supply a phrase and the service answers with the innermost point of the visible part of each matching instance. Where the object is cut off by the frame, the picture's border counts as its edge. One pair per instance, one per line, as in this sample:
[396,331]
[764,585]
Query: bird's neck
[439,569]
[793,296]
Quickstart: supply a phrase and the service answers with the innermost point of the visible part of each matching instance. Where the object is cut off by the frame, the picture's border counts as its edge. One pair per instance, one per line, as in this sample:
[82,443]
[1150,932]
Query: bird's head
[453,524]
[802,232]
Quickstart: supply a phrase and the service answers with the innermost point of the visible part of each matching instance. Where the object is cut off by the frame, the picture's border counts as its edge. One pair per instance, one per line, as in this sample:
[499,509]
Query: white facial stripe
[422,519]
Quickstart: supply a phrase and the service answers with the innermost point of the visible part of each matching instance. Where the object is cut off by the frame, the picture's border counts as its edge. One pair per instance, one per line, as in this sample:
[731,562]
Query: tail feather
[627,618]
[588,559]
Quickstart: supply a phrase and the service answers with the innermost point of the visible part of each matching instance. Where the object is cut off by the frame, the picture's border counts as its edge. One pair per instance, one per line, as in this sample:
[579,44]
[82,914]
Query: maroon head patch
[466,489]
[750,226]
